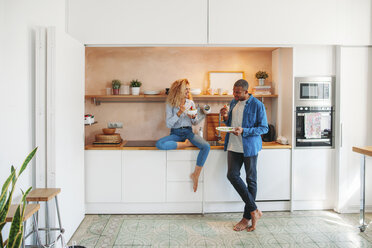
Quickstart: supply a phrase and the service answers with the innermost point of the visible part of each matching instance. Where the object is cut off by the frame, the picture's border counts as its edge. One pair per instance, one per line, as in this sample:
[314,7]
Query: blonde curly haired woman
[177,119]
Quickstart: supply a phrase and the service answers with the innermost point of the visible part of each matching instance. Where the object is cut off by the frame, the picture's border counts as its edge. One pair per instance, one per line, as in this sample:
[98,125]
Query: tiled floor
[275,229]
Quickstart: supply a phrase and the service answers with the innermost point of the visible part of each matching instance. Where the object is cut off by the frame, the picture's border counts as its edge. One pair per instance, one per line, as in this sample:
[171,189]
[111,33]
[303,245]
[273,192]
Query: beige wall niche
[157,68]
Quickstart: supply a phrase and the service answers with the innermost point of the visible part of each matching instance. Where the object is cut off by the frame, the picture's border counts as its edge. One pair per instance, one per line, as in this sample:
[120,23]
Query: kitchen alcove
[143,116]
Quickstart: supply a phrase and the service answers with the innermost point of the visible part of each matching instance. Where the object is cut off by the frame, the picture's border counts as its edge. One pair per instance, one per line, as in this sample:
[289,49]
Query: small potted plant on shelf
[261,76]
[116,86]
[135,86]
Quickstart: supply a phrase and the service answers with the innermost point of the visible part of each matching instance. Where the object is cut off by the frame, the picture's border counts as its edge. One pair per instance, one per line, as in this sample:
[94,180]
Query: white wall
[18,17]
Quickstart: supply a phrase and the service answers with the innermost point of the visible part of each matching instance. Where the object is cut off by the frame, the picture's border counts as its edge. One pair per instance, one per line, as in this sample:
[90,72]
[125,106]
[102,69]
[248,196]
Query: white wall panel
[355,110]
[138,21]
[314,61]
[290,22]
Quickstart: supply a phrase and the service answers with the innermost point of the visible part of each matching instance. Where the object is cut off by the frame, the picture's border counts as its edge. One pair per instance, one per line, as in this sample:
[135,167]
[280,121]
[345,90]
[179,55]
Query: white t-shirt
[235,142]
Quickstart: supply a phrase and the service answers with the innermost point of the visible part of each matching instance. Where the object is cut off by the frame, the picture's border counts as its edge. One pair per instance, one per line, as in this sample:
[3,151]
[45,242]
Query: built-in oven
[314,126]
[314,104]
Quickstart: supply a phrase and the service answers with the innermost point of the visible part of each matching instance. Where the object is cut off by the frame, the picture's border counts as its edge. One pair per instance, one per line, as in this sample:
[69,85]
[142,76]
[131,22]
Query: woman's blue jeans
[180,135]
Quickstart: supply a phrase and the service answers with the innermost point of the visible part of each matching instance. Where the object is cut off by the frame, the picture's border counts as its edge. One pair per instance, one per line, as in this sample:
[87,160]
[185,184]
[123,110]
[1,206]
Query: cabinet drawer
[182,155]
[181,170]
[183,192]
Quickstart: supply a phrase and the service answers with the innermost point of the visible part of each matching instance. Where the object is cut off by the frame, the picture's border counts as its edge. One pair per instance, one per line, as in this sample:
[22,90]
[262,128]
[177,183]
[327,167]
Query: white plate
[151,92]
[225,129]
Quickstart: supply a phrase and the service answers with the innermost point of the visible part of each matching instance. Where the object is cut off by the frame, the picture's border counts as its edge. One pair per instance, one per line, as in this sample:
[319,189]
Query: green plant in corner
[16,228]
[261,75]
[116,84]
[135,83]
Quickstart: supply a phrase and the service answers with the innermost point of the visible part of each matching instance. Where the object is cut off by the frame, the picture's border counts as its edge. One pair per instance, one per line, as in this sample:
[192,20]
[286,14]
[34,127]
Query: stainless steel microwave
[314,91]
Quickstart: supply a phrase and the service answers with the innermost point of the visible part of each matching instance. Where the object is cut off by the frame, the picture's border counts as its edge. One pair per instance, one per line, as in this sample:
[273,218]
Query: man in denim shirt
[248,116]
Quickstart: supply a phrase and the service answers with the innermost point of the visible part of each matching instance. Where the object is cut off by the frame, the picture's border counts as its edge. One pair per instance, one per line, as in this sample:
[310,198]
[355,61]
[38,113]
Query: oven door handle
[313,140]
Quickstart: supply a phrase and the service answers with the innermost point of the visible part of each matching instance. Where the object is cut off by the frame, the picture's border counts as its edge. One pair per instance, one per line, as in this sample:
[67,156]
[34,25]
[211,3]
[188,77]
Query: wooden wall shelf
[98,99]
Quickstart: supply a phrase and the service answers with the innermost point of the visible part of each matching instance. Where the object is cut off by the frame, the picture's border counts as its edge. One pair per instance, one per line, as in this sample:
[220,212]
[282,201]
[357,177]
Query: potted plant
[135,86]
[116,86]
[261,76]
[16,228]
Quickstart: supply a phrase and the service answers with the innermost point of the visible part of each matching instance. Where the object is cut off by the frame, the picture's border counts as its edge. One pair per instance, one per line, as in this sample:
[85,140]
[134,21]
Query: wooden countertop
[265,145]
[367,150]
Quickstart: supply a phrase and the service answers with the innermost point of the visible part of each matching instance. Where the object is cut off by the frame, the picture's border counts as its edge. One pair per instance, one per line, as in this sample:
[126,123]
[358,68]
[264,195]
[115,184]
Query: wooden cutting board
[212,123]
[108,138]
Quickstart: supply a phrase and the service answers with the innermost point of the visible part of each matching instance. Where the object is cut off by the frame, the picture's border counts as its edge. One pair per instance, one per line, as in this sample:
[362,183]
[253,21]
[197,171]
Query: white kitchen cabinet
[102,176]
[273,176]
[183,192]
[144,176]
[354,124]
[180,164]
[217,187]
[313,179]
[138,21]
[180,170]
[289,22]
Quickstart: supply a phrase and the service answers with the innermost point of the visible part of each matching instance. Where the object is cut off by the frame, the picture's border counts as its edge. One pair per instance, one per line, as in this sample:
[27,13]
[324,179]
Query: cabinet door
[273,174]
[138,21]
[276,22]
[313,174]
[217,186]
[102,176]
[144,176]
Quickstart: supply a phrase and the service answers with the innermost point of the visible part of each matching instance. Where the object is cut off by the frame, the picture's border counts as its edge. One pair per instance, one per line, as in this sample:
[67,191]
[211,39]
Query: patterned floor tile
[275,229]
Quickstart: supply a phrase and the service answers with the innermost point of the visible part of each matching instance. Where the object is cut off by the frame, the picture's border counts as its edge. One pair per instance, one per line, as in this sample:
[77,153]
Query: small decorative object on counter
[88,119]
[135,84]
[124,90]
[261,76]
[206,109]
[116,86]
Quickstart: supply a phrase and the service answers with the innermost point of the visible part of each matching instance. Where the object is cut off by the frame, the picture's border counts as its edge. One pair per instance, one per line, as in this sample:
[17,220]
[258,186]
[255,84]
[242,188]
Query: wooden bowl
[108,130]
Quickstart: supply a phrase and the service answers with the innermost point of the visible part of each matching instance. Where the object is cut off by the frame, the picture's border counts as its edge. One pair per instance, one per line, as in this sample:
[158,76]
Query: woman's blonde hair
[177,91]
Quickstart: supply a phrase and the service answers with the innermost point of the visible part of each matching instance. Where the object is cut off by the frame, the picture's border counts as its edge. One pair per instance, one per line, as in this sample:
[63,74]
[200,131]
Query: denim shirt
[254,125]
[173,121]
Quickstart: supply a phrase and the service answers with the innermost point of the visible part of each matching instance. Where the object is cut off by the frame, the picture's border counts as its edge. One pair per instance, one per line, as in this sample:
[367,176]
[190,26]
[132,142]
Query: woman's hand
[182,109]
[191,116]
[238,131]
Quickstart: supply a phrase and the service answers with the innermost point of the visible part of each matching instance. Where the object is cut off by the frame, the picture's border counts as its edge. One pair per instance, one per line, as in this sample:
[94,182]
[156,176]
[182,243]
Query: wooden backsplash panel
[212,123]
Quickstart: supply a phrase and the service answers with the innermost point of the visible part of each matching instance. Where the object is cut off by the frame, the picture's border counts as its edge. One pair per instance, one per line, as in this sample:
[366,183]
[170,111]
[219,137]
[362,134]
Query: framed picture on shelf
[224,79]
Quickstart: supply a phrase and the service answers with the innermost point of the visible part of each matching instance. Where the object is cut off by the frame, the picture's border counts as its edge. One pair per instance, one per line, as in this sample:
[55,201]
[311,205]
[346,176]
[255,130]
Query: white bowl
[192,112]
[195,91]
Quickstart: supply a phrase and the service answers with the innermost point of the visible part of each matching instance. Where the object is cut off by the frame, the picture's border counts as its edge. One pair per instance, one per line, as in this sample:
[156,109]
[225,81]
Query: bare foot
[188,143]
[184,144]
[241,225]
[256,215]
[195,180]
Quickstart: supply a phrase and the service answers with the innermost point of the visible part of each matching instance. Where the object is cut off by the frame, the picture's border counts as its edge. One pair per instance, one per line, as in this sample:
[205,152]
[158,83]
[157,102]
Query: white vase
[261,81]
[135,90]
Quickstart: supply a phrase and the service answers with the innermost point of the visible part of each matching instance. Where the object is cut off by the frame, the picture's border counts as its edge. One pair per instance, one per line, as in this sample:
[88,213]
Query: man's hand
[223,112]
[238,131]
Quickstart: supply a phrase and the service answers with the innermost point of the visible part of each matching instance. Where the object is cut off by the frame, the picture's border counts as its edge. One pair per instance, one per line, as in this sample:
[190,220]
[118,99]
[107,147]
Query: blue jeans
[180,135]
[247,191]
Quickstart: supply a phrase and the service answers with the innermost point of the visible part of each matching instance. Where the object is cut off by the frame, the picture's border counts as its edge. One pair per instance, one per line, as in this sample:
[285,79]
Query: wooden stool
[30,210]
[45,195]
